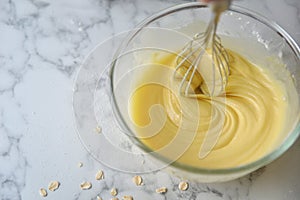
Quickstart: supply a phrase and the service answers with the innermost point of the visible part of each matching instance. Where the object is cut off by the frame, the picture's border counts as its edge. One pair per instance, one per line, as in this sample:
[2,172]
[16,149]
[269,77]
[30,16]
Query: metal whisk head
[204,49]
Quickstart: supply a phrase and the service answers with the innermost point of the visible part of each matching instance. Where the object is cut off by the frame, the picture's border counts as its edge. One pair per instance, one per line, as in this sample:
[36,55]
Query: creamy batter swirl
[245,122]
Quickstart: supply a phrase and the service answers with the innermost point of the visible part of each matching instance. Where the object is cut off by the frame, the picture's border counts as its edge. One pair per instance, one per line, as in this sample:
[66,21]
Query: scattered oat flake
[115,198]
[137,180]
[183,186]
[98,129]
[161,190]
[53,185]
[127,198]
[113,192]
[99,198]
[99,175]
[43,192]
[80,164]
[85,185]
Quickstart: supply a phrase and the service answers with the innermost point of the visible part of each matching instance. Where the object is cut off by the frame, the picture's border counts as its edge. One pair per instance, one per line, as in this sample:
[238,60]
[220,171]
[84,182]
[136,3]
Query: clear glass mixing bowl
[256,38]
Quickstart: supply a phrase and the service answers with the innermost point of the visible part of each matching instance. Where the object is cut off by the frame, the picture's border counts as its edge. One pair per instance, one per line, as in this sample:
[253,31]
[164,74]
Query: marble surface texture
[42,44]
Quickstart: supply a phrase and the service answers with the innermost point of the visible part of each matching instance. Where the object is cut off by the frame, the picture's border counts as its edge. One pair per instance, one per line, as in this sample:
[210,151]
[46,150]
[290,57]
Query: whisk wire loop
[190,57]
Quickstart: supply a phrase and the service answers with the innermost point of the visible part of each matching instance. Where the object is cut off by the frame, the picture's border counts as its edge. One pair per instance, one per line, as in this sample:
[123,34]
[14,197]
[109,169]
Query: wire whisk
[204,49]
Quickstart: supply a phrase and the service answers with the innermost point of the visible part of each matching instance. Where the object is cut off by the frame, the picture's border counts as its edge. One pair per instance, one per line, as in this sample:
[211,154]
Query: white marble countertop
[41,44]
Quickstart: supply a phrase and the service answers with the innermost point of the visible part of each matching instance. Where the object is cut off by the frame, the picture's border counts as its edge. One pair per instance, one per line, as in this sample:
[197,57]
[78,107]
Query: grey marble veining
[42,44]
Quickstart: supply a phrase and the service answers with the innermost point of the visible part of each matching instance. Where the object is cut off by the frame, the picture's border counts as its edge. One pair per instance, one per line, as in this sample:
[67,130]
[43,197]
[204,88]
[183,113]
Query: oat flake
[85,185]
[161,190]
[113,192]
[43,192]
[127,198]
[99,175]
[183,186]
[98,129]
[137,180]
[53,185]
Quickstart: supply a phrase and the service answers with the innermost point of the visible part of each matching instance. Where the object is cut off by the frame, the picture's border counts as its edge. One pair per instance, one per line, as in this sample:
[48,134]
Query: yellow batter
[251,115]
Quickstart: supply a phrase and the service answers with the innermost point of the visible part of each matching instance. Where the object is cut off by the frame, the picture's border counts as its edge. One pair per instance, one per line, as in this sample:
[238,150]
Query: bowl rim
[282,148]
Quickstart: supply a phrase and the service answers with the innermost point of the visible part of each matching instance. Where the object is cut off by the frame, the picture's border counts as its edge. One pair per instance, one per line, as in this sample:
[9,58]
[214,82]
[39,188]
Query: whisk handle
[219,6]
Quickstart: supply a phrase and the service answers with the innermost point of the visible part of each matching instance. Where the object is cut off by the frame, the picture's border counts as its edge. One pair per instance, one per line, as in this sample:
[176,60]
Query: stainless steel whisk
[188,60]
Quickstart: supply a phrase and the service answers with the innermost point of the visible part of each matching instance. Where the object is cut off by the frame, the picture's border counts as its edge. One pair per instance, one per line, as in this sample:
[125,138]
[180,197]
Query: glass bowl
[254,37]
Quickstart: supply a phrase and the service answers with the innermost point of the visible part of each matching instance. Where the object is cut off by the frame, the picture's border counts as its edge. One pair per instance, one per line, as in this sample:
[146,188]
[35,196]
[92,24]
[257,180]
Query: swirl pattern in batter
[239,127]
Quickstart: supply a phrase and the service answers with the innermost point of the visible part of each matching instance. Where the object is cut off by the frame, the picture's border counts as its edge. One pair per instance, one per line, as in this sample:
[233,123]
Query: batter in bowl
[250,115]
